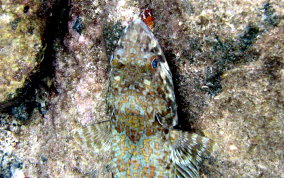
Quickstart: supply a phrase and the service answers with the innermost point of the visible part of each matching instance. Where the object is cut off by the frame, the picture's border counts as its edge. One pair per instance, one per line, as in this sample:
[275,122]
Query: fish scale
[143,110]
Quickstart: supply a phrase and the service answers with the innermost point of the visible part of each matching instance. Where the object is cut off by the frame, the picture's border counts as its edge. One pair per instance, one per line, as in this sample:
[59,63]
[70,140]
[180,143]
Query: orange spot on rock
[148,18]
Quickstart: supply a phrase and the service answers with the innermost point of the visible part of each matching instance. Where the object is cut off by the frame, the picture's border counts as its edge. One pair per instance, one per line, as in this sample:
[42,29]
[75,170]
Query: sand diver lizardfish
[143,113]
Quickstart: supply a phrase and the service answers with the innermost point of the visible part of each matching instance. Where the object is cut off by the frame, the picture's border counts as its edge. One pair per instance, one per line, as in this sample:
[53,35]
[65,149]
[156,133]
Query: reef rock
[226,58]
[22,24]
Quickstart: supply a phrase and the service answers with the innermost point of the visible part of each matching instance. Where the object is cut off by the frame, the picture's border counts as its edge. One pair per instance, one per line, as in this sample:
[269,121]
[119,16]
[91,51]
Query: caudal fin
[188,152]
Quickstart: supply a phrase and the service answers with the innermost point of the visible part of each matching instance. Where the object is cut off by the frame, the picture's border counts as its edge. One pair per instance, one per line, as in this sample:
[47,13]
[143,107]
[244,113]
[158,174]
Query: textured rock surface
[227,63]
[246,119]
[22,25]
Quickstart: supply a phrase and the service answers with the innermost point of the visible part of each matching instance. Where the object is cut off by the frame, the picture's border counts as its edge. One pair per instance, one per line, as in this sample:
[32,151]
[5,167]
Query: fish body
[142,104]
[143,111]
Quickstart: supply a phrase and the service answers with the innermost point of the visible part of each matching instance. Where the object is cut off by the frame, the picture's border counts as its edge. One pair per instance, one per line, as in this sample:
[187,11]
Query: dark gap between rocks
[37,88]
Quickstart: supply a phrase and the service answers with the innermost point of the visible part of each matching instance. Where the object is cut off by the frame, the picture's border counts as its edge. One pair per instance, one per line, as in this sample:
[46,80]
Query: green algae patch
[21,45]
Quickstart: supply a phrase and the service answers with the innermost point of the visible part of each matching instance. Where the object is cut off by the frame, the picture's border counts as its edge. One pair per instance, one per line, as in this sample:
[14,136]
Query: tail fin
[188,152]
[95,137]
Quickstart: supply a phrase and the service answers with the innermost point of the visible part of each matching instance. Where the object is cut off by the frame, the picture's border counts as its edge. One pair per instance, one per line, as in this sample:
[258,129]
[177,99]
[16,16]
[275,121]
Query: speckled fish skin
[143,112]
[142,102]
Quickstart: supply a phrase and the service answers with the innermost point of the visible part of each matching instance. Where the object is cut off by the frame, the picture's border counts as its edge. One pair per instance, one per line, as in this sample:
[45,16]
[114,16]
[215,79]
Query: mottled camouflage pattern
[143,111]
[142,105]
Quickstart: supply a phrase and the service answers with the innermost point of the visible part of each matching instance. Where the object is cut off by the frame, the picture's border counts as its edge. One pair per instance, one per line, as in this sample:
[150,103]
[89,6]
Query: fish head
[139,68]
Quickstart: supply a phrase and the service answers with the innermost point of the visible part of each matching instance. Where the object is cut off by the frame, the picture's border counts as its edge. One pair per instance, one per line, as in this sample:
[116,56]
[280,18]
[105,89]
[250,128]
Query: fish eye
[154,63]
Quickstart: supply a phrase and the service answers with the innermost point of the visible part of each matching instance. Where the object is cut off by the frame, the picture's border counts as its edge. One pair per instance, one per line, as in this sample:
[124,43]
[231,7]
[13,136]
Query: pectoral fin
[188,152]
[95,137]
